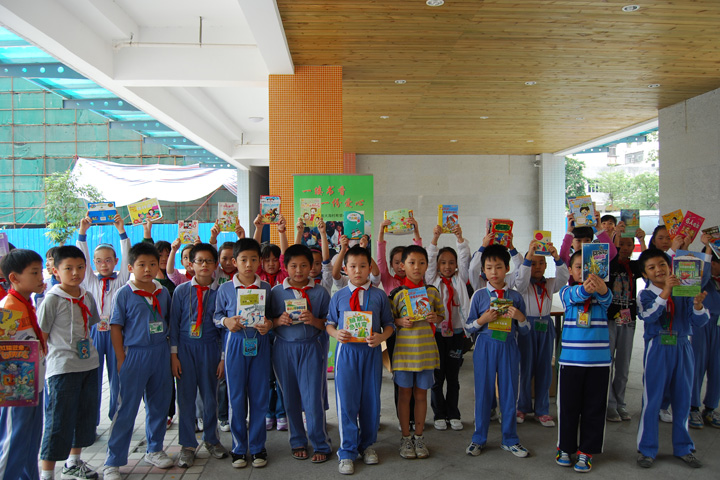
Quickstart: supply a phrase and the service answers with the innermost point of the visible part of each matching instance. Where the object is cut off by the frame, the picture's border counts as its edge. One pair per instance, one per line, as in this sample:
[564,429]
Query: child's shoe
[666,416]
[169,422]
[159,459]
[216,450]
[346,466]
[370,457]
[225,425]
[111,473]
[269,423]
[79,471]
[584,462]
[407,449]
[186,459]
[691,460]
[624,415]
[711,417]
[282,424]
[695,419]
[494,415]
[562,458]
[474,449]
[456,424]
[546,421]
[520,417]
[517,450]
[644,462]
[239,461]
[440,425]
[259,460]
[613,415]
[200,425]
[421,451]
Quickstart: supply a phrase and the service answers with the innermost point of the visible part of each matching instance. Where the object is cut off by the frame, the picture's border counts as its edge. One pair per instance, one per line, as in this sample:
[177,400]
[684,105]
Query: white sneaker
[666,416]
[370,457]
[346,467]
[111,473]
[407,449]
[159,459]
[421,450]
[517,450]
[456,424]
[200,425]
[440,425]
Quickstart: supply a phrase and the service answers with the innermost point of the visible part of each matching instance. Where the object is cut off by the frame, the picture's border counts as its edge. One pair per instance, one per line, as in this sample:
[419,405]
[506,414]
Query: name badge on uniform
[668,338]
[249,347]
[104,324]
[195,330]
[83,348]
[623,317]
[541,325]
[446,329]
[583,319]
[498,335]
[156,327]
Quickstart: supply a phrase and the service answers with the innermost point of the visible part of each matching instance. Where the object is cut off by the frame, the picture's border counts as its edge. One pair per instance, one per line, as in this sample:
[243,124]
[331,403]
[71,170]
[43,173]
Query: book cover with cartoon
[269,209]
[501,228]
[19,371]
[672,222]
[631,218]
[101,212]
[227,216]
[188,231]
[714,233]
[310,209]
[251,306]
[354,224]
[596,260]
[359,324]
[583,208]
[543,237]
[688,268]
[294,307]
[399,221]
[416,304]
[504,320]
[145,209]
[690,226]
[448,217]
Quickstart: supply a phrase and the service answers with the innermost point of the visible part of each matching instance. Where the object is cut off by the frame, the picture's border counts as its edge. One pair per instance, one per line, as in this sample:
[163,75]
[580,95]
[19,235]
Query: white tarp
[125,184]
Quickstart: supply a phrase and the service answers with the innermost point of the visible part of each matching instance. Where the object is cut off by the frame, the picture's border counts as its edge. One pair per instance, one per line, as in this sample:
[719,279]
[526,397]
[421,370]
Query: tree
[65,207]
[645,191]
[617,185]
[575,181]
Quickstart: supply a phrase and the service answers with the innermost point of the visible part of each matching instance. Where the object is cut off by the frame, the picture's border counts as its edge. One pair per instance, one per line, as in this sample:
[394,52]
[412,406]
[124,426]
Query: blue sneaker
[517,450]
[695,420]
[584,463]
[712,418]
[562,458]
[474,449]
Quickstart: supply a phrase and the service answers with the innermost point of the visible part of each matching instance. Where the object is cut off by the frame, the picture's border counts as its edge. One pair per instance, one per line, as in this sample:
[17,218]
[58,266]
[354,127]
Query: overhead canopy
[125,184]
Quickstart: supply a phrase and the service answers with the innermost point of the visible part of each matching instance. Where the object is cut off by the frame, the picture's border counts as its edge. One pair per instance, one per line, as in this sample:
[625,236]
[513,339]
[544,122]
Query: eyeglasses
[100,261]
[204,262]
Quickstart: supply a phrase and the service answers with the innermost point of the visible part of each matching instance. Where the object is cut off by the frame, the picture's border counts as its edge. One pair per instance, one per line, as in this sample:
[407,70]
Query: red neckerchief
[3,293]
[271,278]
[84,310]
[187,275]
[230,273]
[105,281]
[33,318]
[406,282]
[670,308]
[304,294]
[154,296]
[500,293]
[200,289]
[355,299]
[543,292]
[317,280]
[451,294]
[398,278]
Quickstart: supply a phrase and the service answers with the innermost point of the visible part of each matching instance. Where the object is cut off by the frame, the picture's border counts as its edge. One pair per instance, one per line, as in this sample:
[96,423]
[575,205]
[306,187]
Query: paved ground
[447,457]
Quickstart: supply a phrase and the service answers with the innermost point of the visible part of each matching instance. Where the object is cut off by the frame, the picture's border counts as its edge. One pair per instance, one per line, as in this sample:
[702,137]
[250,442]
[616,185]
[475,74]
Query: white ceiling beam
[264,20]
[189,66]
[255,155]
[200,102]
[113,19]
[617,135]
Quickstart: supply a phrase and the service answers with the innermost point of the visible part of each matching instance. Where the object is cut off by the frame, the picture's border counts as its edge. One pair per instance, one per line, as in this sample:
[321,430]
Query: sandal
[297,451]
[323,459]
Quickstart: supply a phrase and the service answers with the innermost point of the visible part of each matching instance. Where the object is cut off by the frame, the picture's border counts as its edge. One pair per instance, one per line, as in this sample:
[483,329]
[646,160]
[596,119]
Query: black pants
[222,401]
[582,403]
[390,342]
[445,405]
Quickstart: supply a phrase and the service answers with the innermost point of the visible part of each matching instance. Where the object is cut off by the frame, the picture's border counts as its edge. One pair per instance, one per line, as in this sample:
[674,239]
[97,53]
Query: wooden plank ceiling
[470,59]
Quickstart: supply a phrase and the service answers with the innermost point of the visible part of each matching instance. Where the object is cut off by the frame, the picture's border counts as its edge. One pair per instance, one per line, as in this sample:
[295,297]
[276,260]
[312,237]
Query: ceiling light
[631,8]
[579,118]
[530,141]
[256,119]
[484,118]
[530,83]
[400,82]
[434,3]
[374,141]
[654,85]
[453,141]
[384,117]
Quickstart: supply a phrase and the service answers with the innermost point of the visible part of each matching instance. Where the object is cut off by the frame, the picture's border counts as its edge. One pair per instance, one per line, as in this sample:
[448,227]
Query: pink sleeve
[565,248]
[381,261]
[177,278]
[605,238]
[417,241]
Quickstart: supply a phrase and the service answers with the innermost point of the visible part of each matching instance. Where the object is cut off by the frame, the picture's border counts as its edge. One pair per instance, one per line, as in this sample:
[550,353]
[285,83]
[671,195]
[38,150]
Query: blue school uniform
[706,348]
[199,354]
[298,356]
[358,371]
[495,357]
[671,365]
[246,375]
[145,373]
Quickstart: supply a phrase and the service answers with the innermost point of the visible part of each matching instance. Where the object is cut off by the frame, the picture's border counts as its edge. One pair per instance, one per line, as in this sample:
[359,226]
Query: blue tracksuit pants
[491,358]
[536,351]
[21,430]
[358,378]
[198,362]
[144,375]
[706,348]
[103,344]
[299,369]
[667,368]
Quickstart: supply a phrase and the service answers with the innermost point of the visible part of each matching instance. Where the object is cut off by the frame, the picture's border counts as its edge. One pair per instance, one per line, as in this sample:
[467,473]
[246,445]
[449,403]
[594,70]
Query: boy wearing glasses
[103,287]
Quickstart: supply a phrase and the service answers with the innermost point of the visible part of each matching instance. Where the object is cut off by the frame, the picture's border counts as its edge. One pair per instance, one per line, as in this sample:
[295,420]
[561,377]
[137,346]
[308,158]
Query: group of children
[247,378]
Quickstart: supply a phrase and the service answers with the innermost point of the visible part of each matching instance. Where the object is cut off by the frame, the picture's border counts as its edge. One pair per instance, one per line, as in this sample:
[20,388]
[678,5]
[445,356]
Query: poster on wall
[337,194]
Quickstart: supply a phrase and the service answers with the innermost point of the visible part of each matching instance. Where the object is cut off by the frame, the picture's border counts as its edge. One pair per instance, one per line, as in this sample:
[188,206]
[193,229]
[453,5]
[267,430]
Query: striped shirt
[585,346]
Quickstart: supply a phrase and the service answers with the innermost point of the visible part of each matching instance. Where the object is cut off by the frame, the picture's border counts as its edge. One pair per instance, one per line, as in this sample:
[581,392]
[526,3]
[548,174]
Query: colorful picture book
[294,307]
[10,322]
[672,222]
[399,221]
[101,212]
[502,230]
[631,218]
[504,320]
[145,209]
[690,226]
[269,209]
[188,231]
[688,268]
[310,209]
[596,260]
[19,370]
[4,244]
[583,208]
[543,237]
[227,216]
[714,233]
[354,224]
[448,217]
[417,304]
[251,305]
[359,324]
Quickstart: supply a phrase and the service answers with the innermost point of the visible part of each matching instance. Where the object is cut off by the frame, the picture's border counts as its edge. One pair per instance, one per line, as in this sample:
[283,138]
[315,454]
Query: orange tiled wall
[305,130]
[349,163]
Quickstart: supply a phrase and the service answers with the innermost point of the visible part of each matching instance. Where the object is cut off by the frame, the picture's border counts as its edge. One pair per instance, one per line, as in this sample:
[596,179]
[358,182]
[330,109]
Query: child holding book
[247,358]
[608,223]
[299,352]
[536,348]
[225,267]
[391,282]
[163,247]
[497,314]
[584,368]
[321,271]
[669,321]
[174,275]
[340,280]
[478,280]
[358,360]
[448,272]
[577,236]
[139,329]
[65,318]
[21,427]
[103,288]
[415,356]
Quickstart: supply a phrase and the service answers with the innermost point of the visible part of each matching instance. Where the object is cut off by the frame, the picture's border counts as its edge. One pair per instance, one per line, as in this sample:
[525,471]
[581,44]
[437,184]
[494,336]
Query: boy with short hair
[51,279]
[577,236]
[21,427]
[669,321]
[478,280]
[496,352]
[139,333]
[195,354]
[65,317]
[247,358]
[608,223]
[358,372]
[299,352]
[321,271]
[103,288]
